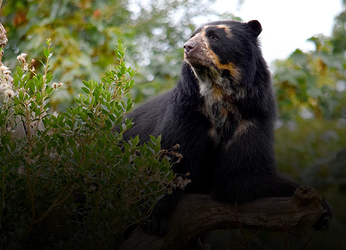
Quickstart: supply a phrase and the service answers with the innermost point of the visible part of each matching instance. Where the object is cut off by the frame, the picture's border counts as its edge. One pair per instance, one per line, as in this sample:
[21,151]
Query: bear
[222,114]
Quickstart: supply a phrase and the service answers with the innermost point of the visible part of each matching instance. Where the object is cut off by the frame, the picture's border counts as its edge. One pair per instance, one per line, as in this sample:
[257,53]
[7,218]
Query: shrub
[69,180]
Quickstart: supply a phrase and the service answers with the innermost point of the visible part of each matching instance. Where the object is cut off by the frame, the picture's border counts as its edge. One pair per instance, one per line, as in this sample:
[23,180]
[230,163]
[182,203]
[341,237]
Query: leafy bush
[69,180]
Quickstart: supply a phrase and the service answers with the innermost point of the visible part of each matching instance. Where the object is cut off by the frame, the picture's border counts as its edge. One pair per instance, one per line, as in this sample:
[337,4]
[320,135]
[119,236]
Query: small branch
[197,213]
[56,203]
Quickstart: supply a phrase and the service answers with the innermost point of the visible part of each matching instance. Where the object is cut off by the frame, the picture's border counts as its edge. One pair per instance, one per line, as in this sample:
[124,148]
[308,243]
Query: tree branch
[197,213]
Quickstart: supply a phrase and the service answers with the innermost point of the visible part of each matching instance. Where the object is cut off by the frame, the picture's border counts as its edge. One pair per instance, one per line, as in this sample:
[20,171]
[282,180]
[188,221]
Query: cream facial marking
[220,26]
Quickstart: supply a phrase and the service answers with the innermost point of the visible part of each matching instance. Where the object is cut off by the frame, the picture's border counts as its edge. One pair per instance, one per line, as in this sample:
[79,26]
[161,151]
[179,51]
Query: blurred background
[304,43]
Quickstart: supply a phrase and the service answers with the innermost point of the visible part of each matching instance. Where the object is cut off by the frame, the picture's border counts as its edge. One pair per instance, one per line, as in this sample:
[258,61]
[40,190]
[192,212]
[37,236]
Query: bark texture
[197,213]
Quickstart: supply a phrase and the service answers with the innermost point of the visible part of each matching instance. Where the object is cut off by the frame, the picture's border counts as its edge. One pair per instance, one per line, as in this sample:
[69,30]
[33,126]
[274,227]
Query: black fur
[222,114]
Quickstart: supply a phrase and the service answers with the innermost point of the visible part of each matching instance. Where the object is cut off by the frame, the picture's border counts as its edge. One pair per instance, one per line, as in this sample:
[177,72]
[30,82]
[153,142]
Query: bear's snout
[189,46]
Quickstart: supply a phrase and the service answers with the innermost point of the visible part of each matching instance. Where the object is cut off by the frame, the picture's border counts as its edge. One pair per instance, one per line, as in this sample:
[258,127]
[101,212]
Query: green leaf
[86,90]
[101,144]
[70,123]
[76,154]
[44,65]
[21,95]
[26,77]
[83,116]
[108,123]
[38,96]
[30,85]
[158,144]
[86,83]
[135,141]
[46,52]
[112,117]
[17,80]
[49,78]
[49,89]
[20,72]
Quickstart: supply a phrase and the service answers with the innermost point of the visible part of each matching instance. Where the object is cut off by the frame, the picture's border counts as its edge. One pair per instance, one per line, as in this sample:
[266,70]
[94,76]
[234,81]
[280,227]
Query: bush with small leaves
[68,180]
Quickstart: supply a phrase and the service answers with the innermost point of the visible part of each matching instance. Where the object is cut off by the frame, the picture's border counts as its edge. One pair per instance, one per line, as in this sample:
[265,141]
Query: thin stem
[55,204]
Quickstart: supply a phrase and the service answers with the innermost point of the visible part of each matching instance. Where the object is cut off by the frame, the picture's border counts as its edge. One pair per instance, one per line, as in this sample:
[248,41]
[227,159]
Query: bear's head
[224,50]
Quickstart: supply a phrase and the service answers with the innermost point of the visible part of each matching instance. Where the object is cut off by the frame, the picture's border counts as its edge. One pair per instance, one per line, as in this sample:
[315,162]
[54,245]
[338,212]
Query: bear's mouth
[198,62]
[197,57]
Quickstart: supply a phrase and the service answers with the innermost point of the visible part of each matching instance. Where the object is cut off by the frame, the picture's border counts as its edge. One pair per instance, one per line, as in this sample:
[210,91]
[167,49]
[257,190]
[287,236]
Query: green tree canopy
[84,34]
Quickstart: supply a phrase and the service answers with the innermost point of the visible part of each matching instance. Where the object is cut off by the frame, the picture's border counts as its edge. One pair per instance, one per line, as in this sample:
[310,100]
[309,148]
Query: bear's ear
[255,27]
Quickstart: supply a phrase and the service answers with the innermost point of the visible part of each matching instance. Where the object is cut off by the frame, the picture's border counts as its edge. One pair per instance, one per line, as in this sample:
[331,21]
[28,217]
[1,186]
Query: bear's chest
[220,110]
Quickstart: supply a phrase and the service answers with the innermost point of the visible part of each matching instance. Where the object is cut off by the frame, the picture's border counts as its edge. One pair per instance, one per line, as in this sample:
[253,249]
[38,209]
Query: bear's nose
[189,46]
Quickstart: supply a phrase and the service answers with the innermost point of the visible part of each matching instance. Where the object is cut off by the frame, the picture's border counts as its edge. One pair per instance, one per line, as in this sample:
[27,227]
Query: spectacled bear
[222,114]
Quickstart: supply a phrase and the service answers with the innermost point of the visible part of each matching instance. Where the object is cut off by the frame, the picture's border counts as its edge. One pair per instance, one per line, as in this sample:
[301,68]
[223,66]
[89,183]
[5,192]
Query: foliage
[84,31]
[307,82]
[310,86]
[310,138]
[75,183]
[311,89]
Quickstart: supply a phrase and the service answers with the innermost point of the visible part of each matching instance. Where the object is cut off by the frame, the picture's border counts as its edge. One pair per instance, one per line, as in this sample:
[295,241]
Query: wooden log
[197,213]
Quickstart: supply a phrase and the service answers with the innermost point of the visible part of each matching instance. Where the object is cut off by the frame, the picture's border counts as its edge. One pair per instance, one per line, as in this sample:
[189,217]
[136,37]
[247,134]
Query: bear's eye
[213,37]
